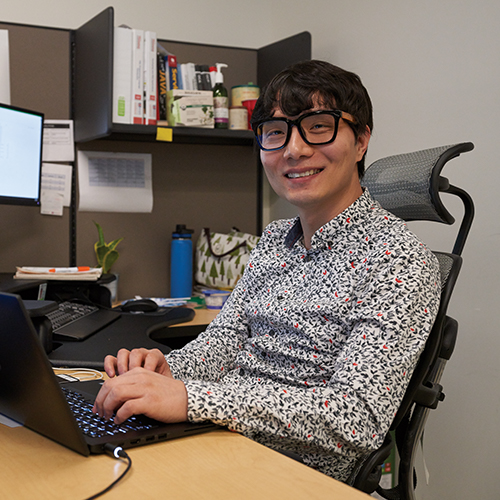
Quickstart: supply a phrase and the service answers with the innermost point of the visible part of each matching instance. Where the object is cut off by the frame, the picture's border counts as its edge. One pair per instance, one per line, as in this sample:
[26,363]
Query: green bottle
[221,100]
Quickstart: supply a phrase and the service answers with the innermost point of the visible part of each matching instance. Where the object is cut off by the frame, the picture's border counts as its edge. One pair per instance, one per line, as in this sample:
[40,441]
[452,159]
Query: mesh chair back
[408,185]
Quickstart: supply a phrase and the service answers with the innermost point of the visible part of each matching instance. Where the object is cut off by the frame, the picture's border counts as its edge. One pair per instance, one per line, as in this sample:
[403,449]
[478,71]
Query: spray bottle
[221,100]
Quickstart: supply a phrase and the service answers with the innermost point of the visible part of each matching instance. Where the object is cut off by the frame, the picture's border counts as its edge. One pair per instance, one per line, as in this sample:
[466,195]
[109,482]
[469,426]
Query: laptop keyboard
[94,426]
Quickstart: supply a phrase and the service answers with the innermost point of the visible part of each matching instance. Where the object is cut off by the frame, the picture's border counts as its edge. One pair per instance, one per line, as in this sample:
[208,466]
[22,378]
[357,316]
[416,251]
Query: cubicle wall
[40,79]
[196,185]
[200,185]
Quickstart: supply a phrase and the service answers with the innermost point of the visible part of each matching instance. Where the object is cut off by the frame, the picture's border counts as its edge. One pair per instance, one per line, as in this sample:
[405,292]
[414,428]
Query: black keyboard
[68,312]
[74,321]
[94,426]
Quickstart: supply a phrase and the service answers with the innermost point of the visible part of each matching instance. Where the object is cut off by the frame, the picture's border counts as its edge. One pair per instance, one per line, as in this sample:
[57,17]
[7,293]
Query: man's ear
[362,143]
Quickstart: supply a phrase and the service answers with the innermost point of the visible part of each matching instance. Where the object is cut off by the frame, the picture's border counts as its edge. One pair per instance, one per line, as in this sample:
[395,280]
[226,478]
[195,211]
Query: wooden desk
[216,465]
[202,317]
[219,465]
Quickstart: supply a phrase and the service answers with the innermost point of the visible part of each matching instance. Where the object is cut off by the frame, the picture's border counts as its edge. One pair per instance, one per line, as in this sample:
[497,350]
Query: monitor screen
[21,139]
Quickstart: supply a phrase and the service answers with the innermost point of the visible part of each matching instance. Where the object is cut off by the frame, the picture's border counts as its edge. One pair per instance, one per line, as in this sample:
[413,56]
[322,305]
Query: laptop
[31,394]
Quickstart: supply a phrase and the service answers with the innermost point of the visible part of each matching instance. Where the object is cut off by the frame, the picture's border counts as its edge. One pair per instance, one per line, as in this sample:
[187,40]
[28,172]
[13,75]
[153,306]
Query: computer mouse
[140,305]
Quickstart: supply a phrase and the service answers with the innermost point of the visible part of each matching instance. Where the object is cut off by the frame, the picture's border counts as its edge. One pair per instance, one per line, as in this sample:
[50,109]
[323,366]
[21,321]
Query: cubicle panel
[40,69]
[93,79]
[40,79]
[277,56]
[197,185]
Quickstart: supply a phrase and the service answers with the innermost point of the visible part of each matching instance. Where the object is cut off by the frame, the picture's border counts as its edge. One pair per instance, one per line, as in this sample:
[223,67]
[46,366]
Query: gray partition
[40,75]
[205,178]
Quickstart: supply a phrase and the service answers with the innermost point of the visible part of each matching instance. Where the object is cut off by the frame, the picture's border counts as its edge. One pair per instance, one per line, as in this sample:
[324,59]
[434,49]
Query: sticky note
[164,134]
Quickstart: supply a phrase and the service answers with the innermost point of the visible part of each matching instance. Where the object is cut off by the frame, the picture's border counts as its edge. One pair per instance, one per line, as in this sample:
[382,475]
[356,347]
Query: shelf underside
[180,135]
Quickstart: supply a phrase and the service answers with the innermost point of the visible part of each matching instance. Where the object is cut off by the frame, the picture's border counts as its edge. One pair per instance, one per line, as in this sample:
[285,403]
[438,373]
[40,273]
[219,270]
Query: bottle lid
[219,77]
[181,231]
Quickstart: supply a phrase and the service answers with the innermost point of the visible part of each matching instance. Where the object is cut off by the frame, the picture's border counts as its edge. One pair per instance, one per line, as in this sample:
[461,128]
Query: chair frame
[424,391]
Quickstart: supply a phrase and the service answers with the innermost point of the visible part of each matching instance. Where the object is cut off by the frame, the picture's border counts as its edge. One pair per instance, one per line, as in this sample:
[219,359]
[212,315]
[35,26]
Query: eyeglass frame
[336,113]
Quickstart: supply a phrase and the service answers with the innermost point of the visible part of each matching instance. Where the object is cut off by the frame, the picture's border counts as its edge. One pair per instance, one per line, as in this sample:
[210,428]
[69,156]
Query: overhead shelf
[93,82]
[180,135]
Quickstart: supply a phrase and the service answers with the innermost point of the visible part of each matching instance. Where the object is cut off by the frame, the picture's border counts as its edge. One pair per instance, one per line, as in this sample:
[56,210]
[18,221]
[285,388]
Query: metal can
[238,118]
[241,93]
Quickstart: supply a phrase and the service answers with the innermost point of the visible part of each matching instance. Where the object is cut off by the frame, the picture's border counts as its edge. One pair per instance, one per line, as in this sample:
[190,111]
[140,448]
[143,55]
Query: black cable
[116,452]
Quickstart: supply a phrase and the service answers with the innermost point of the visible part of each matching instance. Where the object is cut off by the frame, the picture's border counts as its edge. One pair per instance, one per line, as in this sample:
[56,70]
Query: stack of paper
[59,273]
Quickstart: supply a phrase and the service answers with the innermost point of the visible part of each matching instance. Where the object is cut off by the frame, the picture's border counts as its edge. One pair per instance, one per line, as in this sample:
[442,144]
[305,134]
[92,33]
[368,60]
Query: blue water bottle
[181,262]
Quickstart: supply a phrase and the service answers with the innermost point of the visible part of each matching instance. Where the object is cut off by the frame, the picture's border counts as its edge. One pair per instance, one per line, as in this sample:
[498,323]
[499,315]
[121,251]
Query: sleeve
[214,350]
[387,322]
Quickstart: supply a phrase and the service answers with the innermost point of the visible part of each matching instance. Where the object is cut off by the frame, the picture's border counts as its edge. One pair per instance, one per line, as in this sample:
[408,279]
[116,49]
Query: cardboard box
[190,108]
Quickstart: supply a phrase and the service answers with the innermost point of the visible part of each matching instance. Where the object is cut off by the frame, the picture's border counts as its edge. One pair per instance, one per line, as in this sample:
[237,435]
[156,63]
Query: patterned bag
[221,258]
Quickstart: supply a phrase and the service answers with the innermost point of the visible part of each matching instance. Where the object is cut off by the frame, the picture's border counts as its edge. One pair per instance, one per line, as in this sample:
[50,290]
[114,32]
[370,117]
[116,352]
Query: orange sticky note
[164,134]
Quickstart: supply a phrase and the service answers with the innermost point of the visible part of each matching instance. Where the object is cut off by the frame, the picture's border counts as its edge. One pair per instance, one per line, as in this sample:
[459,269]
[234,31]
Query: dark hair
[305,84]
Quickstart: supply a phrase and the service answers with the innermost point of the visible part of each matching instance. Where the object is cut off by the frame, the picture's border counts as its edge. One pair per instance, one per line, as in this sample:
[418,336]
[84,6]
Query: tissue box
[190,108]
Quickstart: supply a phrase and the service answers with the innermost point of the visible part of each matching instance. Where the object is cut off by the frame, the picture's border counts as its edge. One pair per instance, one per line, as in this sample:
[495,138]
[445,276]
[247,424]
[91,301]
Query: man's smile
[307,173]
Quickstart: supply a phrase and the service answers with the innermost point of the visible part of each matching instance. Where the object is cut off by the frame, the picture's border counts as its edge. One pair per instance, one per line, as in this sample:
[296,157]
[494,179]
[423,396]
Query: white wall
[432,69]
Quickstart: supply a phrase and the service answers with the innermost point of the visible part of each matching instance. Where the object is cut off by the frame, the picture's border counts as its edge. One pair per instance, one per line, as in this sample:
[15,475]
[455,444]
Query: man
[315,346]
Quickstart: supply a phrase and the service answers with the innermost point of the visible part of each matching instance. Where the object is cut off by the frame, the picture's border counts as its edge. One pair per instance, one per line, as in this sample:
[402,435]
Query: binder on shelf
[150,78]
[137,76]
[188,76]
[205,77]
[122,75]
[198,77]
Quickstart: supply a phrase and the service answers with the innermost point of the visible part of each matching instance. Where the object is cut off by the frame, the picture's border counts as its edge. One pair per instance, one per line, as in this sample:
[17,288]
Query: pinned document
[56,188]
[115,182]
[58,144]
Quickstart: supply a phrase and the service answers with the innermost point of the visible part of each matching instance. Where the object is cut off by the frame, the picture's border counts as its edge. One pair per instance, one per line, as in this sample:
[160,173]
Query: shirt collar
[351,215]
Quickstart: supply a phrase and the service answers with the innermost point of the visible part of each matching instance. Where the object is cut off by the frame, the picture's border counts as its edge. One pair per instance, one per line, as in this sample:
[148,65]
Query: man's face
[320,180]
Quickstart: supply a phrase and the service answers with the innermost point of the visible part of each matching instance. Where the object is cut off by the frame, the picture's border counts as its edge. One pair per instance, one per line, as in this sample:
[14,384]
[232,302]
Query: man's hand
[152,360]
[142,391]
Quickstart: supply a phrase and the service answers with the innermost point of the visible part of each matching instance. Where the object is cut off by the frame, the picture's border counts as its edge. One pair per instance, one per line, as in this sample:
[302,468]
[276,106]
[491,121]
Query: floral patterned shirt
[313,350]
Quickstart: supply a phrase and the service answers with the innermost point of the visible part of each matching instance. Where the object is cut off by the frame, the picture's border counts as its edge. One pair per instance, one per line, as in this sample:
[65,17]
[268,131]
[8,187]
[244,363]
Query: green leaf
[109,260]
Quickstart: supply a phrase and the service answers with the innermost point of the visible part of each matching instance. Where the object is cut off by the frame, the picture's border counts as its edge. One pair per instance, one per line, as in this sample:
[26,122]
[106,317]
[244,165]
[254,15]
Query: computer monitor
[21,139]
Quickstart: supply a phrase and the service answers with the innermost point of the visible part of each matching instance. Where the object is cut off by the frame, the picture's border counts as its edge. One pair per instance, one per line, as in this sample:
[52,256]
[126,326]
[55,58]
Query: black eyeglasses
[315,128]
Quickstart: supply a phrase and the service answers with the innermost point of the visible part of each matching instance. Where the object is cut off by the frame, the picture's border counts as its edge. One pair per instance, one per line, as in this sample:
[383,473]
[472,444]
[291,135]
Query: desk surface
[219,464]
[130,331]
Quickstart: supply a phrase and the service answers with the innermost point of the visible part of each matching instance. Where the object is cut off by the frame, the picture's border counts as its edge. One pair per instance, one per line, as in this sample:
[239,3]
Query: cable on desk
[115,452]
[82,374]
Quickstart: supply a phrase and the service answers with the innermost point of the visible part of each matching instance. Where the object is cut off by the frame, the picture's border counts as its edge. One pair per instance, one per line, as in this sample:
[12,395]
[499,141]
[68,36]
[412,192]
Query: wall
[432,71]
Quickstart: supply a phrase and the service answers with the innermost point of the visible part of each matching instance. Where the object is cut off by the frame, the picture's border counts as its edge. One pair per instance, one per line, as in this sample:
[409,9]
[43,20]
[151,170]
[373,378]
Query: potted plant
[105,253]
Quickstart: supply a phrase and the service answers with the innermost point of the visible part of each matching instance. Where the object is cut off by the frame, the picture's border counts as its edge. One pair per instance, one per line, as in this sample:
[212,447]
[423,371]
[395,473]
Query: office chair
[409,186]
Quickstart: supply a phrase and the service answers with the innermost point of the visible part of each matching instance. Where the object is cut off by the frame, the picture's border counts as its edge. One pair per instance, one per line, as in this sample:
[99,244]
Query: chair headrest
[408,185]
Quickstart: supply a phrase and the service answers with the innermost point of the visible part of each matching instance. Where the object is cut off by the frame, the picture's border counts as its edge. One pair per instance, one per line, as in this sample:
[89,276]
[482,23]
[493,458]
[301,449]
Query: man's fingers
[137,357]
[113,394]
[127,410]
[154,360]
[110,366]
[123,362]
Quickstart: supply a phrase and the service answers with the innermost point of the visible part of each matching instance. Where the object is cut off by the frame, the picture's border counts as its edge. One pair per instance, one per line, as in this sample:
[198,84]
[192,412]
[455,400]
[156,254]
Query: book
[150,78]
[173,72]
[198,77]
[137,112]
[205,77]
[122,75]
[161,110]
[188,78]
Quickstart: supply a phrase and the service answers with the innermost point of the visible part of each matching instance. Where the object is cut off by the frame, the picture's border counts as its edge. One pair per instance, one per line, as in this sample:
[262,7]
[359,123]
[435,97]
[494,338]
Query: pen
[69,269]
